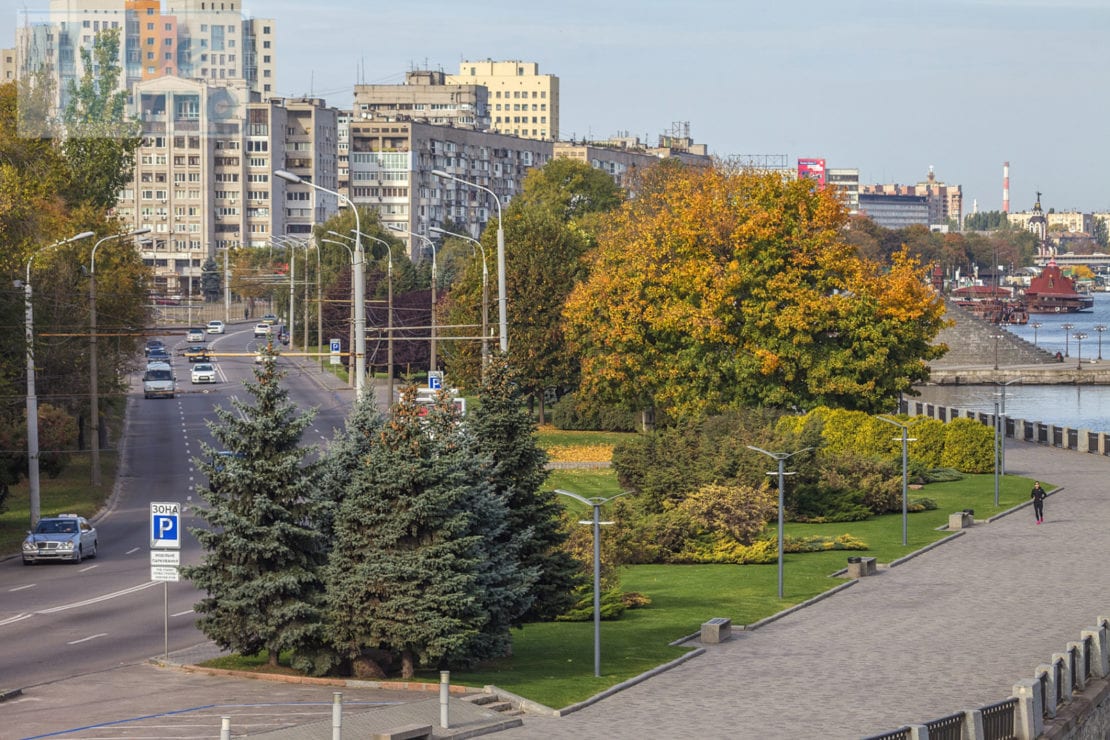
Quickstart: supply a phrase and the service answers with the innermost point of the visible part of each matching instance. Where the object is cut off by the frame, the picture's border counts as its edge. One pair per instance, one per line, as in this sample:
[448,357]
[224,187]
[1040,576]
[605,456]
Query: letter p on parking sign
[165,526]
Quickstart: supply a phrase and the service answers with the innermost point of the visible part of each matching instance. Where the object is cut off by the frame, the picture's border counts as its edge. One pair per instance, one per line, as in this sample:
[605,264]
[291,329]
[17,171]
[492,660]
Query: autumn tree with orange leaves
[717,288]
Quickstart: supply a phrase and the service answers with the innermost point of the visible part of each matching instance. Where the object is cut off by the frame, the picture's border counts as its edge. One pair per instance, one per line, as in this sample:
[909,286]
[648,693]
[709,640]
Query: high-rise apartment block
[425,97]
[7,65]
[846,182]
[523,102]
[186,38]
[204,172]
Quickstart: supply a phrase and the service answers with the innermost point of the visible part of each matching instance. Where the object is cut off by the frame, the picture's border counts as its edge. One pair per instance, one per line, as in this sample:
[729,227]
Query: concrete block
[716,630]
[960,520]
[408,732]
[859,567]
[1029,722]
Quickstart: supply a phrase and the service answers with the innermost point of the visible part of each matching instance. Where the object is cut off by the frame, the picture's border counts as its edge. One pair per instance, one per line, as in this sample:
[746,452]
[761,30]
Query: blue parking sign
[165,525]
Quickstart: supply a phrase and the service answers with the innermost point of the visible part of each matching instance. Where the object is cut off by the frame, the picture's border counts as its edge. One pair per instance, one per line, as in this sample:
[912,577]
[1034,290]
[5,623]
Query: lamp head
[288,176]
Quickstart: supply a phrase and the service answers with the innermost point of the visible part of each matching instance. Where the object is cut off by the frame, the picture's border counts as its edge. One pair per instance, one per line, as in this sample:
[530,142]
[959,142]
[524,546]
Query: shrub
[968,446]
[739,511]
[928,450]
[569,413]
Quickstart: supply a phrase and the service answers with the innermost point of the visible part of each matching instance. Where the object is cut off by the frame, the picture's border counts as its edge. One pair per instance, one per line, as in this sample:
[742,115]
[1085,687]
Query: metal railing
[998,720]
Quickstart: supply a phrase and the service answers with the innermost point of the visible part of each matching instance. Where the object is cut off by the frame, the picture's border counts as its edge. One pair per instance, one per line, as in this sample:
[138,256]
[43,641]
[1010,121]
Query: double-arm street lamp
[485,289]
[32,399]
[1100,328]
[389,315]
[1036,325]
[1067,327]
[288,242]
[596,503]
[1079,337]
[351,252]
[433,364]
[358,278]
[905,471]
[502,310]
[781,458]
[94,391]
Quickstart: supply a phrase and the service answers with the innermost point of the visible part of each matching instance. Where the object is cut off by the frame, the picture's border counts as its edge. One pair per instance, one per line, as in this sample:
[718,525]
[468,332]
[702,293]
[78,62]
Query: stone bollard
[1029,723]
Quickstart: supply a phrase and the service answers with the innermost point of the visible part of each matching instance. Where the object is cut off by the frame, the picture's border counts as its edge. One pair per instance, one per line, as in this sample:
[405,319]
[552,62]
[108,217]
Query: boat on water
[991,303]
[1054,292]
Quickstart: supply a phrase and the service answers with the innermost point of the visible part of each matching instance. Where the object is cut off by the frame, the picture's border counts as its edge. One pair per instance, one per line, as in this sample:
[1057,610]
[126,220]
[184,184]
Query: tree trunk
[647,420]
[408,668]
[543,417]
[273,658]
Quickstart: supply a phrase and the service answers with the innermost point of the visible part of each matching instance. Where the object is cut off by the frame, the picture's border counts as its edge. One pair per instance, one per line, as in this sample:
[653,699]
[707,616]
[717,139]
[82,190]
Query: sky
[891,87]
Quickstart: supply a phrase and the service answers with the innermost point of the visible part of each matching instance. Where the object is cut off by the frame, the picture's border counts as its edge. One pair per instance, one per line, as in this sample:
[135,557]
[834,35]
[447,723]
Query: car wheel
[78,555]
[92,553]
[28,562]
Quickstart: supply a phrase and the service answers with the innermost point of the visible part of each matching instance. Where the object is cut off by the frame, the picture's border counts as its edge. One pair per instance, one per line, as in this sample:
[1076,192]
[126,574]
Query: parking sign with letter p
[165,525]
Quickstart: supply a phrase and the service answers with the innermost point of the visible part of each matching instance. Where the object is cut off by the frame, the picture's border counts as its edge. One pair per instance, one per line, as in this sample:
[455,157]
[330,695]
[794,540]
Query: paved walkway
[952,629]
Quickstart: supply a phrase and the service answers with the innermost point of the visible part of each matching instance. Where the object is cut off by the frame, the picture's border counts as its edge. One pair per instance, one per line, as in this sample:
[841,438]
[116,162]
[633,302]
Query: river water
[1076,406]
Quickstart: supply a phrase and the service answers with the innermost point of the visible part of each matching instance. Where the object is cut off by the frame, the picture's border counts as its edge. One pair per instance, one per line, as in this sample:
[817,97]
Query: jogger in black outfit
[1038,495]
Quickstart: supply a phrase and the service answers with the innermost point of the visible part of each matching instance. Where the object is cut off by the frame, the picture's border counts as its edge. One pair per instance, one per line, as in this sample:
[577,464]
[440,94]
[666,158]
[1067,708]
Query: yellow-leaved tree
[718,288]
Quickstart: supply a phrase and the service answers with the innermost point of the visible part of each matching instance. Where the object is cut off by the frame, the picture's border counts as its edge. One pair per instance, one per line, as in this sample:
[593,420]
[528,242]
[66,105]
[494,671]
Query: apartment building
[7,65]
[426,97]
[523,102]
[198,39]
[390,169]
[846,182]
[1071,222]
[623,157]
[203,176]
[895,211]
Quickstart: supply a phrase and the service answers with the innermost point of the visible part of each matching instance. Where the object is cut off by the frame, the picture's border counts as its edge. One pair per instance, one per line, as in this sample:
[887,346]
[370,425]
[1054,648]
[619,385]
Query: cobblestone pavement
[952,629]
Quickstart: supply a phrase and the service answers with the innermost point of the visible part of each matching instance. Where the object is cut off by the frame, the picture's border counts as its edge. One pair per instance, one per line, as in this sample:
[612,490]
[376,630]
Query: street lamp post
[596,503]
[905,472]
[1036,325]
[1001,438]
[358,277]
[781,458]
[502,310]
[433,361]
[32,399]
[1066,327]
[1079,337]
[997,335]
[350,340]
[94,390]
[1100,328]
[997,455]
[389,315]
[485,290]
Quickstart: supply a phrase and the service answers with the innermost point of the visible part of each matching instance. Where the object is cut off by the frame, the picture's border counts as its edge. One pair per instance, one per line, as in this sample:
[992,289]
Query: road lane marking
[20,588]
[90,567]
[13,620]
[132,550]
[86,639]
[98,599]
[182,614]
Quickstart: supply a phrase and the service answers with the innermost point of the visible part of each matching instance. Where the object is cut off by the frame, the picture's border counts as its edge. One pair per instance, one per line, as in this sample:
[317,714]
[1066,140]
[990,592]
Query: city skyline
[889,88]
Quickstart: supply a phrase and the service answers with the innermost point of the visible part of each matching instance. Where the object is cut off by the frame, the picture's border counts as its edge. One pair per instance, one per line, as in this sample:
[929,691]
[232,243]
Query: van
[158,381]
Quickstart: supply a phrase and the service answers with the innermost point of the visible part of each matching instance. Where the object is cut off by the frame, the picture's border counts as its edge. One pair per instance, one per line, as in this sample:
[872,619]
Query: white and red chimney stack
[1006,187]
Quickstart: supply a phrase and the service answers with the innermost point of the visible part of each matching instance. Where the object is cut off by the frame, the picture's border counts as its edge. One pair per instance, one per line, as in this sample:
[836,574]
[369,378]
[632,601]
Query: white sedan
[215,327]
[204,372]
[263,330]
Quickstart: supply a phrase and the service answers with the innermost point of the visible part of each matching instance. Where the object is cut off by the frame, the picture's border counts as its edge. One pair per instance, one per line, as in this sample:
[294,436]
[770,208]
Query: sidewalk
[950,630]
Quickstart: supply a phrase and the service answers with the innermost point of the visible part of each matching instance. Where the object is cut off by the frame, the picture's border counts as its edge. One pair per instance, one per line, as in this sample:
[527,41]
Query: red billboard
[813,169]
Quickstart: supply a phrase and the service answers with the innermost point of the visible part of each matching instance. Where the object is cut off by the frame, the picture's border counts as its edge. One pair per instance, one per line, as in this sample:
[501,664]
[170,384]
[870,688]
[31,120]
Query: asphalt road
[60,620]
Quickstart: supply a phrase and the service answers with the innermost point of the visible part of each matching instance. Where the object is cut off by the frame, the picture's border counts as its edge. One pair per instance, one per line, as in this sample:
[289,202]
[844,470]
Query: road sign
[164,573]
[435,379]
[165,557]
[165,525]
[336,348]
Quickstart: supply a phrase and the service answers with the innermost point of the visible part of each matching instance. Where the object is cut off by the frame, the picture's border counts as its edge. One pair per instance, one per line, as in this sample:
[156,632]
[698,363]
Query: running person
[1038,495]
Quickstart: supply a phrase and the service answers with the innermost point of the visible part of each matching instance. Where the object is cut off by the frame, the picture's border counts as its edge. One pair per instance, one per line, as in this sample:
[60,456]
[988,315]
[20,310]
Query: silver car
[204,372]
[62,537]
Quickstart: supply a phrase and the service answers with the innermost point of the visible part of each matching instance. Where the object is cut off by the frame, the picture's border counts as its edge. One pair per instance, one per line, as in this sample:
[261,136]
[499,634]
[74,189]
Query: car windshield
[202,368]
[56,526]
[158,375]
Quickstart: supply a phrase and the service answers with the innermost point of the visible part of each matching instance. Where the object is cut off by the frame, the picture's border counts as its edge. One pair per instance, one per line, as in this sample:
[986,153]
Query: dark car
[155,345]
[197,353]
[158,355]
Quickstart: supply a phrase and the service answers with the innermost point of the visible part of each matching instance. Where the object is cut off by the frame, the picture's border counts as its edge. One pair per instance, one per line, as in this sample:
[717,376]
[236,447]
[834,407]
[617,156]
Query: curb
[629,683]
[350,683]
[6,694]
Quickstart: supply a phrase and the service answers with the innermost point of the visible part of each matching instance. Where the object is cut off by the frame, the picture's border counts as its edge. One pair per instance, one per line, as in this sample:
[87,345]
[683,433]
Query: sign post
[165,556]
[335,347]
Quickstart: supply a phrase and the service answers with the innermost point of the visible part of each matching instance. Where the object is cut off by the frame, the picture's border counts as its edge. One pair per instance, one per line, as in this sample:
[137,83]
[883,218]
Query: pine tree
[409,571]
[261,568]
[506,434]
